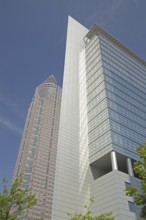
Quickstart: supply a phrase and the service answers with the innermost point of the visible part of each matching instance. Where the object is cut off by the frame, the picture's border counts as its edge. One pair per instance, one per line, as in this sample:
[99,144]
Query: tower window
[131,206]
[127,184]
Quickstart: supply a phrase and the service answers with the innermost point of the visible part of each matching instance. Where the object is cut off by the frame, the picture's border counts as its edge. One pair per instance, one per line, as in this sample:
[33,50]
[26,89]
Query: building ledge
[97,29]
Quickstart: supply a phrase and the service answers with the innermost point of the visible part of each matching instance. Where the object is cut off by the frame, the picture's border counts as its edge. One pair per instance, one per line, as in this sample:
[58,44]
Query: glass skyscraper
[37,155]
[102,121]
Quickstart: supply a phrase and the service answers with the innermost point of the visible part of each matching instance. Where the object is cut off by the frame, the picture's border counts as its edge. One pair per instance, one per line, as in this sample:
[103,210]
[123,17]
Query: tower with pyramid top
[37,153]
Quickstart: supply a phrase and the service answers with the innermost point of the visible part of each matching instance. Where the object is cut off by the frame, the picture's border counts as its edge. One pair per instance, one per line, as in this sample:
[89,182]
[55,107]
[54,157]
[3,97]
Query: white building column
[129,167]
[114,160]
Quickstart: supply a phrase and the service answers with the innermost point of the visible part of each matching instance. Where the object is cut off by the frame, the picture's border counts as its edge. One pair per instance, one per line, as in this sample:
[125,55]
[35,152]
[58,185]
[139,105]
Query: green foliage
[14,200]
[88,215]
[140,169]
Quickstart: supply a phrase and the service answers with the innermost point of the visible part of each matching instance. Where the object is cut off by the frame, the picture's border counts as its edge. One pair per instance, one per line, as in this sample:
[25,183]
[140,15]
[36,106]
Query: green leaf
[14,200]
[140,169]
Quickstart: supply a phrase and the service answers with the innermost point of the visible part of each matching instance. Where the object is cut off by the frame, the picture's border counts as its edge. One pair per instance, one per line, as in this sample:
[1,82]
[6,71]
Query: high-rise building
[102,121]
[37,155]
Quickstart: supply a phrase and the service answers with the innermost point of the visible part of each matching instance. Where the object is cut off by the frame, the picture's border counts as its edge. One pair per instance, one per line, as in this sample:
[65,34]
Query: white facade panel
[69,180]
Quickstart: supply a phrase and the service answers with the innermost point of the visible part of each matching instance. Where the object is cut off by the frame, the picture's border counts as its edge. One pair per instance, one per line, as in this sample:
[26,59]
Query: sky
[32,47]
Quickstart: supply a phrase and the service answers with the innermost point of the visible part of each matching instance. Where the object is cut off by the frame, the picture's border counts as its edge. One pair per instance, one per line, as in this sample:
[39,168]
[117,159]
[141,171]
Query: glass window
[127,184]
[131,207]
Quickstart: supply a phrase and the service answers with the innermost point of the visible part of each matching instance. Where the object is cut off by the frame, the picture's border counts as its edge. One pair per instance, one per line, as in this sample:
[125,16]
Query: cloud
[7,102]
[11,105]
[10,125]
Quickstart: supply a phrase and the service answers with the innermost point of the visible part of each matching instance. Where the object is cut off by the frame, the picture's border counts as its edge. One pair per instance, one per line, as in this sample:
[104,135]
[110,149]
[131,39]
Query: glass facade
[98,118]
[116,94]
[125,86]
[116,112]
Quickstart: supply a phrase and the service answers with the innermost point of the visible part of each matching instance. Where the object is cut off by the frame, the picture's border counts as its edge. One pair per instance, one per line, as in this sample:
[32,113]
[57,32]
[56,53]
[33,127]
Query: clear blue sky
[32,46]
